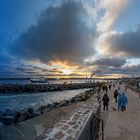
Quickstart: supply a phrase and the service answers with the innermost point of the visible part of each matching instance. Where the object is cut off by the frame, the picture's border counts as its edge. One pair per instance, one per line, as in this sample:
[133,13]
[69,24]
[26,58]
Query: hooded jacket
[123,100]
[105,99]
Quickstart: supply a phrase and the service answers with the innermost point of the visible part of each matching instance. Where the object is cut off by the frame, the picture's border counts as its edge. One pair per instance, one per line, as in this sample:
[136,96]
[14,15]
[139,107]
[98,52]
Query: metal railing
[91,128]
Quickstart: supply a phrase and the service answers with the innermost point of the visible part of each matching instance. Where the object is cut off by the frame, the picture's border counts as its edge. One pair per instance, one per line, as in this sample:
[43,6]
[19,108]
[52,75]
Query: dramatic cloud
[69,38]
[107,66]
[112,9]
[109,62]
[122,44]
[61,33]
[132,70]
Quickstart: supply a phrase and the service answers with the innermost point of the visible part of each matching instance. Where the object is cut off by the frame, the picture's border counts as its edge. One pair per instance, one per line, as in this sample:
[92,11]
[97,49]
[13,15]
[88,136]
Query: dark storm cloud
[61,33]
[110,65]
[130,70]
[134,69]
[126,44]
[109,62]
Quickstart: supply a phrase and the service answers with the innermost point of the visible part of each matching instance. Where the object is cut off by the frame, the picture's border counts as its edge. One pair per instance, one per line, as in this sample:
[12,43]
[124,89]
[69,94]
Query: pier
[123,125]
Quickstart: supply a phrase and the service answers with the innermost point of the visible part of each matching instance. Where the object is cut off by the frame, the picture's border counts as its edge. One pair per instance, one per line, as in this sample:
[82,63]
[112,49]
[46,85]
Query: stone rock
[70,138]
[87,112]
[72,122]
[9,112]
[59,135]
[7,117]
[70,131]
[58,124]
[62,103]
[17,116]
[1,124]
[30,110]
[7,120]
[75,126]
[65,127]
[50,106]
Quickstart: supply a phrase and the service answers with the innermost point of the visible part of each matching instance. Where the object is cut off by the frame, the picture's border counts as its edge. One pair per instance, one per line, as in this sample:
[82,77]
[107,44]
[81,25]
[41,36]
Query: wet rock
[29,114]
[41,109]
[63,103]
[9,112]
[30,110]
[1,124]
[17,116]
[34,88]
[56,104]
[7,120]
[50,106]
[72,100]
[7,117]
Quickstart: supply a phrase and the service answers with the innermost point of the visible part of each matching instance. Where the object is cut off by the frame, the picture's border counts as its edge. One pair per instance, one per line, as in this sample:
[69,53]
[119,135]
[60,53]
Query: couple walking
[122,102]
[120,98]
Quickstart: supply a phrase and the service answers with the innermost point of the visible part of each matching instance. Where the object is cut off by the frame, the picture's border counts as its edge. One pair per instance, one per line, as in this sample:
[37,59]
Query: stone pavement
[69,127]
[123,125]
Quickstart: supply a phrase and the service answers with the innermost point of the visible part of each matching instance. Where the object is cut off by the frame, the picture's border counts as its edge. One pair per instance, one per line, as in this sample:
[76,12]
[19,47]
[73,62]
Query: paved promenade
[123,125]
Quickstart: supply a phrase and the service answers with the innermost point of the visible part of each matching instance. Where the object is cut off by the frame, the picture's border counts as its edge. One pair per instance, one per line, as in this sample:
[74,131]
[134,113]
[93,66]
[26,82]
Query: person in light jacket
[123,102]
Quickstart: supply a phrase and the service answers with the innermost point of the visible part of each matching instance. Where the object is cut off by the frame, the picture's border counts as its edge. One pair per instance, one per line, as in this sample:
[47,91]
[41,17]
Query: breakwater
[35,88]
[8,117]
[81,124]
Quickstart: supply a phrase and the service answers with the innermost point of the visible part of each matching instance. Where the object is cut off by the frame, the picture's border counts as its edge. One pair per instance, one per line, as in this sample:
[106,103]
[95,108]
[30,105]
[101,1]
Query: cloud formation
[107,66]
[122,44]
[68,36]
[112,9]
[109,62]
[60,34]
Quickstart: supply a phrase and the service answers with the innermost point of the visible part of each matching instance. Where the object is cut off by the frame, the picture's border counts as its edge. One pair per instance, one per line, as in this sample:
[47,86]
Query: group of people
[120,99]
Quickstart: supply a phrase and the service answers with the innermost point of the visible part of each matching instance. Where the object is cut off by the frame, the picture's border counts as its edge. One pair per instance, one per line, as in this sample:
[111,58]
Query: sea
[23,101]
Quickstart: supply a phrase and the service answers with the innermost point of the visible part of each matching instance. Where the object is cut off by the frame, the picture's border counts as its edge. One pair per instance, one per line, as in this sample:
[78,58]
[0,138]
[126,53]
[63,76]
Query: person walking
[125,88]
[116,95]
[123,102]
[139,95]
[110,87]
[119,102]
[103,88]
[105,100]
[106,89]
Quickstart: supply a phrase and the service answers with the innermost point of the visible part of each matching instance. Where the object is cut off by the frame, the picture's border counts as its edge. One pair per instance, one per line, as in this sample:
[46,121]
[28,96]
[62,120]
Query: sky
[70,38]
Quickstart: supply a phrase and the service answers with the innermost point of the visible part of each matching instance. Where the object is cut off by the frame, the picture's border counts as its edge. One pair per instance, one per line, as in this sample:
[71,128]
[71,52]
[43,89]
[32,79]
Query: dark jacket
[105,100]
[116,94]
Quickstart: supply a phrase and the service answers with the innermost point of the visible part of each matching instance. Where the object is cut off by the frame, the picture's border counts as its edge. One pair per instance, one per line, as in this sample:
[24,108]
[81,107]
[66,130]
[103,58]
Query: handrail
[102,133]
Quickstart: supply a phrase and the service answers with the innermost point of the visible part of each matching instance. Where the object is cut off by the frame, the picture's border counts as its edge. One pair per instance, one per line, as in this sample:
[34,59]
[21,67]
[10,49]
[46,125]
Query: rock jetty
[9,116]
[35,88]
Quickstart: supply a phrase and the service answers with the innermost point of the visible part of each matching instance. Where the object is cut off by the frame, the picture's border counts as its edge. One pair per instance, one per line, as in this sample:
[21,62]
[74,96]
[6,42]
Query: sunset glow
[72,38]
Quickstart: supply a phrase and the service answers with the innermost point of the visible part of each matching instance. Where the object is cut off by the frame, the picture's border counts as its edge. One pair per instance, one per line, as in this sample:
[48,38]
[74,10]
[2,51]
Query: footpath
[123,125]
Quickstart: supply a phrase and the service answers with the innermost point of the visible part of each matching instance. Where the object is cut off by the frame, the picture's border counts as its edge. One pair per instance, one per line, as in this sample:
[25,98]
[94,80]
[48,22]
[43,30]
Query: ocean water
[23,101]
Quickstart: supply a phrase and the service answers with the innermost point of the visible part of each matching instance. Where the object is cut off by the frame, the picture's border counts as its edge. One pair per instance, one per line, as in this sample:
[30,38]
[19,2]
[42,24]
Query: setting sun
[66,71]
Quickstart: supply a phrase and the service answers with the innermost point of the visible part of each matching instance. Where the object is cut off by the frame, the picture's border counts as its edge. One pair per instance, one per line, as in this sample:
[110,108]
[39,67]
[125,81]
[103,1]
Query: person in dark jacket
[116,93]
[119,102]
[105,100]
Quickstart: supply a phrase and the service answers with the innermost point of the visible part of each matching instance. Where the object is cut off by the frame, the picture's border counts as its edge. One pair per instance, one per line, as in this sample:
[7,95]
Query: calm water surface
[23,101]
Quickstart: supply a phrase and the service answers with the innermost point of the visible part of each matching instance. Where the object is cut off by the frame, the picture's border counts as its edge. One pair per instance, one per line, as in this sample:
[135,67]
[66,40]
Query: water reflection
[19,102]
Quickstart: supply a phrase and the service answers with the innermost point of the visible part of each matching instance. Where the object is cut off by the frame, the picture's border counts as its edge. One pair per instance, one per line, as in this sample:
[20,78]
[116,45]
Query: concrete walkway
[123,125]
